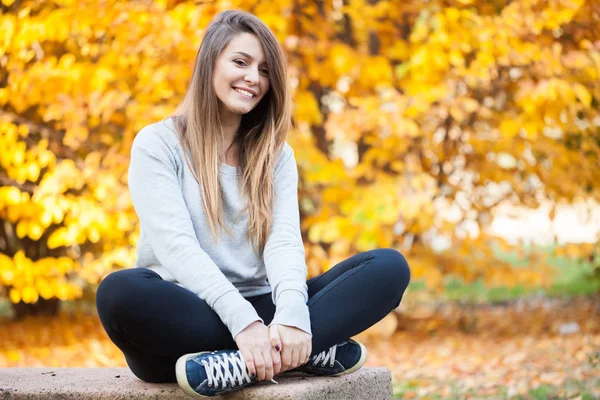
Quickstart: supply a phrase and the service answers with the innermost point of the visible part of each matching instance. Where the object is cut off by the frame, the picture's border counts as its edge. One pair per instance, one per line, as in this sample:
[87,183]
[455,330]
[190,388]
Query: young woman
[219,299]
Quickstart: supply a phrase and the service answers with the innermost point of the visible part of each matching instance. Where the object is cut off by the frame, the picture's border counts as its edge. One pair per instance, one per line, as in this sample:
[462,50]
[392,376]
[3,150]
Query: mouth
[245,93]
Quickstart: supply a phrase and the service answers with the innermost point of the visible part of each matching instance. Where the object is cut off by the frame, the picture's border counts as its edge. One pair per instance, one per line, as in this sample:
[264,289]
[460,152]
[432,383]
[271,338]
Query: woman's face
[241,78]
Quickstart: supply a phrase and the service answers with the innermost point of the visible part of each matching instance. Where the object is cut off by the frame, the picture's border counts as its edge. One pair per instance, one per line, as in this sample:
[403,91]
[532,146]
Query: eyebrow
[247,56]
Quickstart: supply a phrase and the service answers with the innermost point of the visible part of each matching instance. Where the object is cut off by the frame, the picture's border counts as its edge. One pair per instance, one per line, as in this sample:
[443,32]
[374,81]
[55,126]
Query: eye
[243,63]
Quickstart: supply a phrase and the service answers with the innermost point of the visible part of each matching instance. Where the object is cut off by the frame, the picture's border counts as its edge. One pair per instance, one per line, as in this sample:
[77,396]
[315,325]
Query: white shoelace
[215,373]
[327,355]
[219,363]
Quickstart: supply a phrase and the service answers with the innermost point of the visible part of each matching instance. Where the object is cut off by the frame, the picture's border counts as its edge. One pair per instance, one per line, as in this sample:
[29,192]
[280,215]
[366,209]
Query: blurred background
[465,134]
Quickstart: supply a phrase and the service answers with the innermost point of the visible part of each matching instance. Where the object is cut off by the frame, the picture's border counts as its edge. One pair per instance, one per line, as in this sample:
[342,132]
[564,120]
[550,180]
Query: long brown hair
[261,135]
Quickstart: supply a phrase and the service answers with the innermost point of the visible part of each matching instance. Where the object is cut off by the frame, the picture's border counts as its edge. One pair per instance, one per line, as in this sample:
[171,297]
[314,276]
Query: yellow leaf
[456,58]
[15,295]
[7,275]
[33,171]
[29,294]
[410,128]
[399,50]
[94,234]
[35,231]
[44,289]
[582,94]
[11,194]
[23,130]
[343,58]
[22,229]
[58,238]
[509,128]
[376,71]
[46,218]
[307,108]
[330,232]
[62,292]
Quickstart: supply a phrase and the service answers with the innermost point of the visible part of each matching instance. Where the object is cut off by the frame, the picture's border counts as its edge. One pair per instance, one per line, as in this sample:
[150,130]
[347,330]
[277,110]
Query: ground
[470,343]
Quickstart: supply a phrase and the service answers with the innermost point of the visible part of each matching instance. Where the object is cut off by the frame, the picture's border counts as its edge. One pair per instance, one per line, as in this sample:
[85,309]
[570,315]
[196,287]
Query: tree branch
[23,187]
[45,132]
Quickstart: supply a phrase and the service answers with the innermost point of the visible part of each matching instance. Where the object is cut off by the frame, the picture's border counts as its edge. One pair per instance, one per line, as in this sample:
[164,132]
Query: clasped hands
[269,351]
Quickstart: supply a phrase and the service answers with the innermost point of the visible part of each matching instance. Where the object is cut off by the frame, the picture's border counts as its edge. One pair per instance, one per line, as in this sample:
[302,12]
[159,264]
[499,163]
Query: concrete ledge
[120,383]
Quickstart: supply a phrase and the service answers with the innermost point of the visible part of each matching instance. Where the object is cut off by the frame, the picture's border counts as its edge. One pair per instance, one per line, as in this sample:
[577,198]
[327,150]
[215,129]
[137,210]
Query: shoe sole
[181,374]
[363,358]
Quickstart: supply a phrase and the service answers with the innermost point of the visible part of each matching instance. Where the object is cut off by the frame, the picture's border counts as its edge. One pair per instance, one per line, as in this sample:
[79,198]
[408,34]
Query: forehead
[246,43]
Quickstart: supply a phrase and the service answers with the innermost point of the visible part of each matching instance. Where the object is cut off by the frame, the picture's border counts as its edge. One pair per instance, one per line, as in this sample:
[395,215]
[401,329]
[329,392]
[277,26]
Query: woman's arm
[284,252]
[160,206]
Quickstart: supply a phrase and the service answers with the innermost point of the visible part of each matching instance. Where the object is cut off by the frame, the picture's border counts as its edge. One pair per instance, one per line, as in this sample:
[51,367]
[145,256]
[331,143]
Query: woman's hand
[261,359]
[294,343]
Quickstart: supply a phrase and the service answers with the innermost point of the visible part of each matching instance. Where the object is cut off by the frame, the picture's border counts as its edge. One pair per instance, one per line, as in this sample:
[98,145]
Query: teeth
[245,93]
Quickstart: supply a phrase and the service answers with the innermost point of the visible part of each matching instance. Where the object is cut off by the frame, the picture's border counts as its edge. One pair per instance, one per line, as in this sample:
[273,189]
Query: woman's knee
[108,293]
[115,289]
[394,267]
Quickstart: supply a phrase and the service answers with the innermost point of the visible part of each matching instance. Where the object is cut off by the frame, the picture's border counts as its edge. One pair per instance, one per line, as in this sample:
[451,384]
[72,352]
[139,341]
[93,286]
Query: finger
[249,361]
[275,338]
[286,359]
[268,364]
[308,353]
[295,358]
[302,355]
[276,357]
[259,364]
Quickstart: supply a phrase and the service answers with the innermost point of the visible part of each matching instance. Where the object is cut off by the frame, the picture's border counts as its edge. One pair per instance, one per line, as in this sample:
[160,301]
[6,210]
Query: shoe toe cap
[195,375]
[351,355]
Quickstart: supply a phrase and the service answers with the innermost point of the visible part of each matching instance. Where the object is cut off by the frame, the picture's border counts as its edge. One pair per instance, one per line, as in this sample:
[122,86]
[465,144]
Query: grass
[5,308]
[572,279]
[569,390]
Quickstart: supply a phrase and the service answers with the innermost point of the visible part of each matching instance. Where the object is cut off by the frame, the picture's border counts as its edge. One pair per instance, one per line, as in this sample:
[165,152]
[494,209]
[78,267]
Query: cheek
[223,77]
[218,81]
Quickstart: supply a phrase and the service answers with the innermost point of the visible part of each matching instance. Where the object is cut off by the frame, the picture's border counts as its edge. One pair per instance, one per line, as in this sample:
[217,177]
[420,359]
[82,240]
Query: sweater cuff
[291,310]
[235,311]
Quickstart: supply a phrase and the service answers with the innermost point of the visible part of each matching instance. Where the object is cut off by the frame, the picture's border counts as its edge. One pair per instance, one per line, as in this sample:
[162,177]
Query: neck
[230,124]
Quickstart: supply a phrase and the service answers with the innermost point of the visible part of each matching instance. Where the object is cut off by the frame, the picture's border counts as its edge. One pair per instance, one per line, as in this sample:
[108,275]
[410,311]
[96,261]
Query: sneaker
[208,374]
[341,359]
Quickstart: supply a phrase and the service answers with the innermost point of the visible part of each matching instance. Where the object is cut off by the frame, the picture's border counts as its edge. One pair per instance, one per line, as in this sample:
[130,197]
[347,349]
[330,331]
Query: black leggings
[154,322]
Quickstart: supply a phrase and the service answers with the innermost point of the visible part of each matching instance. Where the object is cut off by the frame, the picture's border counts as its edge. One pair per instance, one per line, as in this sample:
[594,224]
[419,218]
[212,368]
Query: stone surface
[120,383]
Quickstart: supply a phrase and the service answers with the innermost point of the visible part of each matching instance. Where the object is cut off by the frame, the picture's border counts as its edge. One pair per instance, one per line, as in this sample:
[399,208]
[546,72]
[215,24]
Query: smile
[244,93]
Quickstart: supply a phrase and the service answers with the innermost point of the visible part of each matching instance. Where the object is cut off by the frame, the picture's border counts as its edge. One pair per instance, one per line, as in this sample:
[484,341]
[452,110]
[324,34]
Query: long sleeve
[284,252]
[159,203]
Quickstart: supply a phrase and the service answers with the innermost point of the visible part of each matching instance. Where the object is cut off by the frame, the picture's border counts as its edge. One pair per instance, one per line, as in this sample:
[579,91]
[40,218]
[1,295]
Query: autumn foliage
[406,113]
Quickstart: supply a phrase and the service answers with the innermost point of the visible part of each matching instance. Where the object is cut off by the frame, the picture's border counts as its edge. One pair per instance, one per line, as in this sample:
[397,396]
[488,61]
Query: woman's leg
[353,295]
[154,322]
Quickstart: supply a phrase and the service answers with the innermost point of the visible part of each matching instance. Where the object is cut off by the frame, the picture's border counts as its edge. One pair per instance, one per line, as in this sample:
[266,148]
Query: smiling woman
[241,79]
[229,309]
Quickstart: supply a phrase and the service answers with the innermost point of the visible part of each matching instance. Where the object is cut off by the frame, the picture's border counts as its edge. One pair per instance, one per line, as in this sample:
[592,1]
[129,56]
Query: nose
[252,76]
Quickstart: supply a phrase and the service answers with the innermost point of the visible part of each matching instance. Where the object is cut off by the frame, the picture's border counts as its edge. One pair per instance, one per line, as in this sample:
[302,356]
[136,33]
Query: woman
[219,299]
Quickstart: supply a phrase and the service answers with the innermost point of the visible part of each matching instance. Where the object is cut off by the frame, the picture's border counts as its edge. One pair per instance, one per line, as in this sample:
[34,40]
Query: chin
[241,110]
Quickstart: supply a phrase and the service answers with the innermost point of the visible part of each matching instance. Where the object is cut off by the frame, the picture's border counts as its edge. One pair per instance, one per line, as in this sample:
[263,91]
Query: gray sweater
[177,243]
